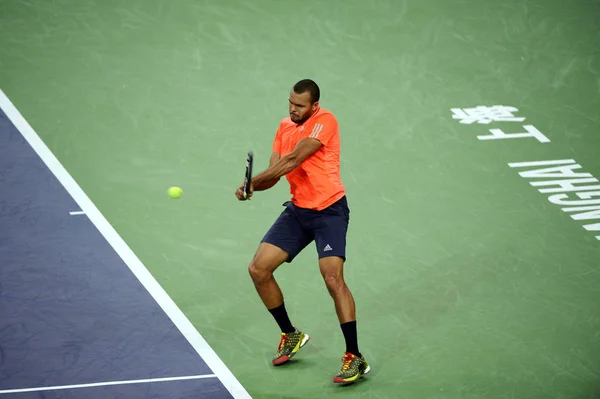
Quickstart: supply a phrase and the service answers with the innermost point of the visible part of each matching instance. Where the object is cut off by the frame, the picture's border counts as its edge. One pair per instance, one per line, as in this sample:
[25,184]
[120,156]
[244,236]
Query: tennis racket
[248,176]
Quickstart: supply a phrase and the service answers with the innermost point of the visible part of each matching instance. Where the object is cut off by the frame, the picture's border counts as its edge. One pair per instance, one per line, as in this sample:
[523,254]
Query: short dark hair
[308,85]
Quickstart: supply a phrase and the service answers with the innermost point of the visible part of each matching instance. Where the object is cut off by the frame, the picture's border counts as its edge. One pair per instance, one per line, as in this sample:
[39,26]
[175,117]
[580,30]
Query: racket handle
[248,176]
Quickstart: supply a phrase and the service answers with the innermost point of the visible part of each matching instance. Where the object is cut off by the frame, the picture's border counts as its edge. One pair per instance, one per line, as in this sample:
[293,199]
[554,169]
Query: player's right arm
[265,185]
[275,156]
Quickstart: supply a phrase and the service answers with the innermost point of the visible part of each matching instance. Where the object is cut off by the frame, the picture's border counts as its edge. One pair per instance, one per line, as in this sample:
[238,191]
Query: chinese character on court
[485,115]
[497,134]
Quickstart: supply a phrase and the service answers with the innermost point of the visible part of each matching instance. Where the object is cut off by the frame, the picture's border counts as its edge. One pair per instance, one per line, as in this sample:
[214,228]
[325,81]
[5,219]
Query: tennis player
[306,150]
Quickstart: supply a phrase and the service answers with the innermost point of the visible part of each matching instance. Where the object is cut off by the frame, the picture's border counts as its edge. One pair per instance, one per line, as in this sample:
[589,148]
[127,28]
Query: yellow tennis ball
[175,192]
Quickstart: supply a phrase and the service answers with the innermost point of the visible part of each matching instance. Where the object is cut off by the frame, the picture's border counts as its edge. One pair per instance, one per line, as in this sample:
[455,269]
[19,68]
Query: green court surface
[469,282]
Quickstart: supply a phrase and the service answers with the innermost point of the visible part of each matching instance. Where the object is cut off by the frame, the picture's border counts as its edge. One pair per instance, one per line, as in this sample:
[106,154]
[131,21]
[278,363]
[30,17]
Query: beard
[298,120]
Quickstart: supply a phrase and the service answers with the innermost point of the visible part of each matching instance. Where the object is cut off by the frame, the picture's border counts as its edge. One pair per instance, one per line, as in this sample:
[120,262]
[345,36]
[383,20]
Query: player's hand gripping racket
[248,176]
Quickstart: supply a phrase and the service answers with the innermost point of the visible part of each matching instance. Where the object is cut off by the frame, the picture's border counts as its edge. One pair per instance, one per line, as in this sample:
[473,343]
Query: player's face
[300,107]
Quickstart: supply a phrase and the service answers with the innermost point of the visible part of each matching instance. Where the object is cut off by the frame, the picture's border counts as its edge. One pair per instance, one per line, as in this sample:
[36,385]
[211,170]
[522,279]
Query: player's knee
[334,282]
[265,261]
[257,273]
[261,269]
[331,269]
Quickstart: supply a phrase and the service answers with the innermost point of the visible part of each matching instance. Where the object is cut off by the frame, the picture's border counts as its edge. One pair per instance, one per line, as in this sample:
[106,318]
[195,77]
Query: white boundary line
[103,384]
[119,245]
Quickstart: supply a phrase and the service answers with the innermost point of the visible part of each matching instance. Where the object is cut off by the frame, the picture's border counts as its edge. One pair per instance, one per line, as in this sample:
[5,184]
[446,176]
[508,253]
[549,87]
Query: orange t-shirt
[316,183]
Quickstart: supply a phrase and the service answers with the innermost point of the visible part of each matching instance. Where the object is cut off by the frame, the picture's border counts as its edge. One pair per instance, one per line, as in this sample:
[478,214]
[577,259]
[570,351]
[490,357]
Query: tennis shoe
[353,368]
[289,345]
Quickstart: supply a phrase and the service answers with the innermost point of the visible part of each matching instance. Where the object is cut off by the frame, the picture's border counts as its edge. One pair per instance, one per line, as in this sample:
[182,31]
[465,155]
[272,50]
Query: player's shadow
[304,363]
[301,363]
[348,385]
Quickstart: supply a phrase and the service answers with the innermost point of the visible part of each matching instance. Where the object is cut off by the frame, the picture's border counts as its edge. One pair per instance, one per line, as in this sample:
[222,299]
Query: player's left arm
[304,149]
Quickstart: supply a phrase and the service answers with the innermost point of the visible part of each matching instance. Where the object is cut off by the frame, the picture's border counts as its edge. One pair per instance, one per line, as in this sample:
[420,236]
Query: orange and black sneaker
[289,345]
[353,367]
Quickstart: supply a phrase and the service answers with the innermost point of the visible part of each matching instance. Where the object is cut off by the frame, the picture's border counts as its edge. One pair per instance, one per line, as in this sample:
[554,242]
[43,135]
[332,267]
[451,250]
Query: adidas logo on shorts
[328,248]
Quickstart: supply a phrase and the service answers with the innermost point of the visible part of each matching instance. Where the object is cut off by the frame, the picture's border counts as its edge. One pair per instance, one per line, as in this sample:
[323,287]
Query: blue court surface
[80,316]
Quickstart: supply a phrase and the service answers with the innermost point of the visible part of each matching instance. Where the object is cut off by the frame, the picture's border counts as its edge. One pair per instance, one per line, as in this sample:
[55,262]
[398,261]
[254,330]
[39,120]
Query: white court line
[103,384]
[131,260]
[77,213]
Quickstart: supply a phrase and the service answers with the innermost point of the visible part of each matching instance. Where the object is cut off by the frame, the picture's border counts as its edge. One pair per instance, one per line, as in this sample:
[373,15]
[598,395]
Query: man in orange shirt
[306,150]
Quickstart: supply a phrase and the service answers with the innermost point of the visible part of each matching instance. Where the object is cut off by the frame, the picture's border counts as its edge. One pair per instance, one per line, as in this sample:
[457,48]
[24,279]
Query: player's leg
[284,240]
[354,364]
[332,270]
[330,229]
[266,260]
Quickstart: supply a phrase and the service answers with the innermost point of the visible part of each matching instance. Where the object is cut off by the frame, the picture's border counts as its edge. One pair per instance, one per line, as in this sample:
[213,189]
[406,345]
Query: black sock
[350,335]
[281,317]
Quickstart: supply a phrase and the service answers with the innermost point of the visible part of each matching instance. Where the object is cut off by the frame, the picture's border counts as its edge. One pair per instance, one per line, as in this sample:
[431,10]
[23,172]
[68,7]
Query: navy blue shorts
[297,227]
